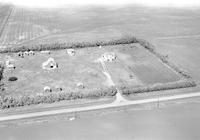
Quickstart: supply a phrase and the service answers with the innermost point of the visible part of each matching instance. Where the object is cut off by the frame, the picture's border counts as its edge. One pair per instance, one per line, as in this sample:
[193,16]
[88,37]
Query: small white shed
[71,52]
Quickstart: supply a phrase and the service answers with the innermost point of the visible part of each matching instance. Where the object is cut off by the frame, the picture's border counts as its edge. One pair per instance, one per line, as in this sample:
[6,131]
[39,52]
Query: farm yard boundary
[59,46]
[1,71]
[1,76]
[127,90]
[8,101]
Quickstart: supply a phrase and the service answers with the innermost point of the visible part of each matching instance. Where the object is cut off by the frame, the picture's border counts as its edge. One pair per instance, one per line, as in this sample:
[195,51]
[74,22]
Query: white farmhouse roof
[108,56]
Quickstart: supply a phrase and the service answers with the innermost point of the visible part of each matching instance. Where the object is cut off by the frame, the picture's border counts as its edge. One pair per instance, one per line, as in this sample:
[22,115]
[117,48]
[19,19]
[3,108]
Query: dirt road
[97,107]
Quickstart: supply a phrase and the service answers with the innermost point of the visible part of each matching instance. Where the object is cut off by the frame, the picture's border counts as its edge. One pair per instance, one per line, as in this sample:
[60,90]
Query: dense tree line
[1,71]
[126,90]
[58,46]
[8,101]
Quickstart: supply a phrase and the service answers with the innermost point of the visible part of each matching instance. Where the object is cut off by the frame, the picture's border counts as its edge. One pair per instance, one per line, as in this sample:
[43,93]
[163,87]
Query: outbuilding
[58,88]
[47,89]
[71,52]
[10,65]
[80,85]
[50,64]
[20,54]
[26,53]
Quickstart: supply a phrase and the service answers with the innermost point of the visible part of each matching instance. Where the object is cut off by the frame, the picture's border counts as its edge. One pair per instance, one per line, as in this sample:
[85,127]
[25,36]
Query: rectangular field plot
[136,66]
[5,12]
[23,25]
[29,26]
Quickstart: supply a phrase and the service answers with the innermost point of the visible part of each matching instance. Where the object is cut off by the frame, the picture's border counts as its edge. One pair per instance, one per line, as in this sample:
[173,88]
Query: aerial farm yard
[133,67]
[109,68]
[132,62]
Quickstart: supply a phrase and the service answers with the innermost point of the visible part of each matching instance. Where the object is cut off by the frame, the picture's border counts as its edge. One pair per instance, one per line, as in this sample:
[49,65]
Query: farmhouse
[71,52]
[49,64]
[108,56]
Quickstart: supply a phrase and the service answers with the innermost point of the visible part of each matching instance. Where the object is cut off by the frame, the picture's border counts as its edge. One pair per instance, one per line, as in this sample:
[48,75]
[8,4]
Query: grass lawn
[72,70]
[134,66]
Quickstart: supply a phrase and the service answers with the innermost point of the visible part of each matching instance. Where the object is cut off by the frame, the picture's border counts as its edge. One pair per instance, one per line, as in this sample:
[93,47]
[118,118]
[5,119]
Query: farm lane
[97,107]
[119,97]
[106,73]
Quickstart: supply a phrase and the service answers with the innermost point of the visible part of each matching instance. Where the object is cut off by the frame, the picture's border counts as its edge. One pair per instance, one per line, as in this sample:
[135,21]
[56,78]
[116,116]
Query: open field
[5,12]
[184,52]
[22,26]
[96,23]
[35,26]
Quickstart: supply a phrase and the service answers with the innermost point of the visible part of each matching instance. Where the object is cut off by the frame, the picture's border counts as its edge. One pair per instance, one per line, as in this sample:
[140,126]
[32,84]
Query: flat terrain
[134,66]
[5,11]
[71,70]
[184,52]
[176,120]
[22,26]
[135,62]
[175,32]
